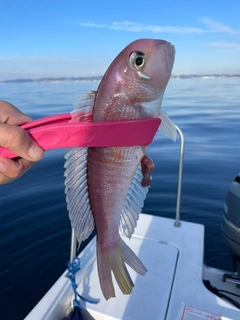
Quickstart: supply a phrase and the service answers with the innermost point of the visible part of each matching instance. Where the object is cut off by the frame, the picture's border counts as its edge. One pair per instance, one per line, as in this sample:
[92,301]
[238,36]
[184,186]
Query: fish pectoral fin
[114,260]
[147,167]
[133,204]
[167,127]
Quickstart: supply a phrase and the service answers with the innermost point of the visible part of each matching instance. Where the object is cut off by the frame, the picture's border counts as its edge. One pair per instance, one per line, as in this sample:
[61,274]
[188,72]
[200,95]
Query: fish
[106,187]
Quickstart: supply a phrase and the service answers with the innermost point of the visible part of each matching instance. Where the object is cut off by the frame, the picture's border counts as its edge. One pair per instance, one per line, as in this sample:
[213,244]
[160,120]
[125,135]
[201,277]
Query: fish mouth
[172,52]
[153,89]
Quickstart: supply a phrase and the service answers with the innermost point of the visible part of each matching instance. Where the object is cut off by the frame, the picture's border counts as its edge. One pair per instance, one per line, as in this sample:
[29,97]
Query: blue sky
[54,38]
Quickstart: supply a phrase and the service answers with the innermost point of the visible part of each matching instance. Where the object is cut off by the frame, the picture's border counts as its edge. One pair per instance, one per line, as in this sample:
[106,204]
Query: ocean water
[34,225]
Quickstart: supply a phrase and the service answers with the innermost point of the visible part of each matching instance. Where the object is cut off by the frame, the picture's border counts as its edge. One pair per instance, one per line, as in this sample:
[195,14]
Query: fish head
[138,76]
[149,62]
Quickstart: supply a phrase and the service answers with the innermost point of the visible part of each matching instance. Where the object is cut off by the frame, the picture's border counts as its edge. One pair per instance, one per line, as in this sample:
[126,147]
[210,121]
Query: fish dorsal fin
[83,107]
[76,188]
[167,127]
[133,204]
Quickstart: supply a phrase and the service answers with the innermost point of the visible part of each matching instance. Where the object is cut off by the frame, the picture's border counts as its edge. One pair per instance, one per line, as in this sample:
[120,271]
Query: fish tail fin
[114,260]
[132,260]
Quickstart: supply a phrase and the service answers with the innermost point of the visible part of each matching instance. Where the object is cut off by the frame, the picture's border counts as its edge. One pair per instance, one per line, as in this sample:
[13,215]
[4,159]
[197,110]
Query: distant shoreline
[98,78]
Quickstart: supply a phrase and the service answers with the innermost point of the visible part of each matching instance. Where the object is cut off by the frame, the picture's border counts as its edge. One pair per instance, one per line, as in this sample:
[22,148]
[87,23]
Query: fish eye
[137,59]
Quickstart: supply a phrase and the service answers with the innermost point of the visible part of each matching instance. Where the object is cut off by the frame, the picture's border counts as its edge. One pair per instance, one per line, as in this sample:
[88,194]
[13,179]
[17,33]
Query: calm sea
[34,225]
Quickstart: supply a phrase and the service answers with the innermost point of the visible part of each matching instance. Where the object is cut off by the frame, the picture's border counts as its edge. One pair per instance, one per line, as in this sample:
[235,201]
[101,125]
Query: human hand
[18,141]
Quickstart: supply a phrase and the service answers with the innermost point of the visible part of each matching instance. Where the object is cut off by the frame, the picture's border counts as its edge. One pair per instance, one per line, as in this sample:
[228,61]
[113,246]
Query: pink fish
[106,187]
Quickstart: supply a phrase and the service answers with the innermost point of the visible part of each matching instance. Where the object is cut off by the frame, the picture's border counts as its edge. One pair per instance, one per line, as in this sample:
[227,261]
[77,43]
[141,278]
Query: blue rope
[73,268]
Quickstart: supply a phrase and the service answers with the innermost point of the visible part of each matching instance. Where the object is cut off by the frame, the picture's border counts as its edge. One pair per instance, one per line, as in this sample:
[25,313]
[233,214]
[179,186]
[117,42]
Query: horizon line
[95,78]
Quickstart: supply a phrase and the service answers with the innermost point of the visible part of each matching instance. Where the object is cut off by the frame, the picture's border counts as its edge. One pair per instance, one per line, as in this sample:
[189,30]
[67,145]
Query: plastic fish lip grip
[57,132]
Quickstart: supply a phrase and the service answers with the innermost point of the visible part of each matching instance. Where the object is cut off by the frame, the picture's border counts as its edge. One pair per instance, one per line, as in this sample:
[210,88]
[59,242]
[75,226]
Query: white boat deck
[172,289]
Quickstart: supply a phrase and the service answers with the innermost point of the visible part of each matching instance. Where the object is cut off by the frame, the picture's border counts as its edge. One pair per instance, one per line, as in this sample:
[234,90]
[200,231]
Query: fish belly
[110,173]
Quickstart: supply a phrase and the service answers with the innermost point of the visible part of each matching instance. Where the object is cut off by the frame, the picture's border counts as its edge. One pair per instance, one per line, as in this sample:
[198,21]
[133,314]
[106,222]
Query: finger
[11,115]
[4,179]
[12,169]
[18,141]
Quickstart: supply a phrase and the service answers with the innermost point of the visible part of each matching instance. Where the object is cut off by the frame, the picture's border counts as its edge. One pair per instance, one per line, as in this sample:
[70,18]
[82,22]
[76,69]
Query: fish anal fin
[133,204]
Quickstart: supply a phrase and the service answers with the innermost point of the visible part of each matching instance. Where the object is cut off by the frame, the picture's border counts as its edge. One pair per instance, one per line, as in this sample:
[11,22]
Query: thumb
[18,141]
